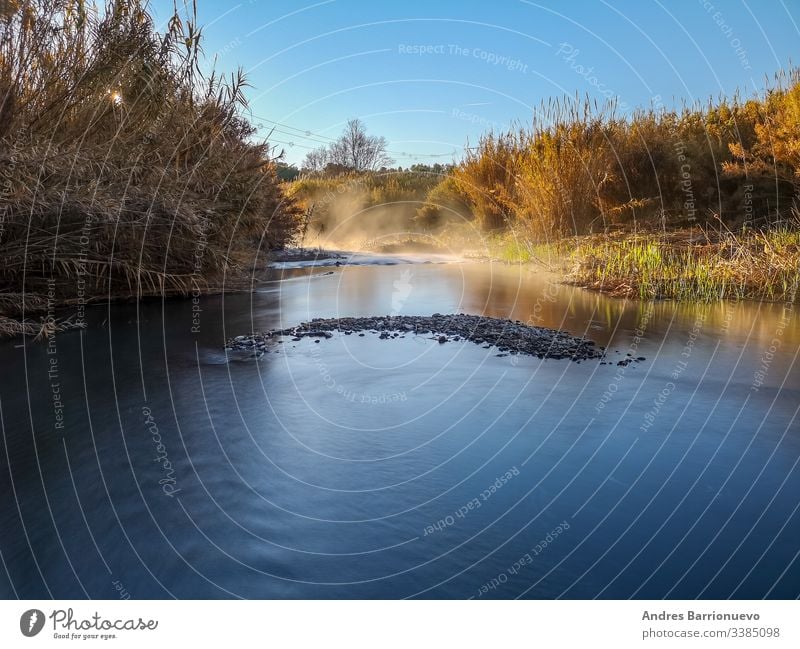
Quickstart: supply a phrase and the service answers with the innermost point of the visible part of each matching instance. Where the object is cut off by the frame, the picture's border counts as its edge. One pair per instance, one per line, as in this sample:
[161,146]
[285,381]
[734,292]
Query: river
[139,461]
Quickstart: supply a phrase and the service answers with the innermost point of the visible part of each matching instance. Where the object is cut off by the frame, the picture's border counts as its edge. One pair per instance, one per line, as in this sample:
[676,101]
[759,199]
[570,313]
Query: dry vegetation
[695,204]
[350,208]
[583,169]
[699,204]
[125,171]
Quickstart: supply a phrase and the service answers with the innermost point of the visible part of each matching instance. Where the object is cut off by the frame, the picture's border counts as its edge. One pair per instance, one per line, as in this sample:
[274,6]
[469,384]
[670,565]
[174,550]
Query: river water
[138,460]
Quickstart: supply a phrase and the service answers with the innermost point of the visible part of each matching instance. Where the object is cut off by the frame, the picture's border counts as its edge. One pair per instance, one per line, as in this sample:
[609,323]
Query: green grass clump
[763,265]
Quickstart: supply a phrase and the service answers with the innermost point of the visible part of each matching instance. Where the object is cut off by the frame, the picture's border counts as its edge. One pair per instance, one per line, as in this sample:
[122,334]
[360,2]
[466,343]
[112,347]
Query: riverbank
[127,176]
[688,265]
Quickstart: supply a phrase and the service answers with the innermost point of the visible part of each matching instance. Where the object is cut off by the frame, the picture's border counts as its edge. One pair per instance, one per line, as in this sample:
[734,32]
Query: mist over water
[359,467]
[373,211]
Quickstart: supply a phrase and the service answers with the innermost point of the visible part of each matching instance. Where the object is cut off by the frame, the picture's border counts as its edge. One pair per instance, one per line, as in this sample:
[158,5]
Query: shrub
[581,169]
[126,171]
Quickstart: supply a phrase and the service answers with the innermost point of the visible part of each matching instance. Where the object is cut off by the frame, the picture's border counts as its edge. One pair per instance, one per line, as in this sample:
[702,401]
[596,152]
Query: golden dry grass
[584,169]
[125,171]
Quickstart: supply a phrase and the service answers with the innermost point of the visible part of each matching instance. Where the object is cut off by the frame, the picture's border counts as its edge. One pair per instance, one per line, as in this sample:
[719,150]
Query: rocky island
[507,336]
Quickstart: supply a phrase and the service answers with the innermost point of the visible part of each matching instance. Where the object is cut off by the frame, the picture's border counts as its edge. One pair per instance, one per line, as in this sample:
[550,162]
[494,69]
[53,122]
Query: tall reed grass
[695,204]
[582,168]
[125,170]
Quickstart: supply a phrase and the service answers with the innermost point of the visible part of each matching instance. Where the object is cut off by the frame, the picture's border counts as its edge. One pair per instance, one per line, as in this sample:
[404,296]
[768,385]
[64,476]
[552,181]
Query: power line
[301,132]
[292,144]
[289,133]
[315,137]
[404,155]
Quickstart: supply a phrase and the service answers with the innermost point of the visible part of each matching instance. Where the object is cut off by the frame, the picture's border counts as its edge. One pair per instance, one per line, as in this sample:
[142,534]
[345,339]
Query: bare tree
[354,149]
[316,160]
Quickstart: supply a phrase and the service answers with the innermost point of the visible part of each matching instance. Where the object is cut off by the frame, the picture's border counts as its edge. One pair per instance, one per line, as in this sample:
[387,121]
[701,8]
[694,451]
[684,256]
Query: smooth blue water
[357,467]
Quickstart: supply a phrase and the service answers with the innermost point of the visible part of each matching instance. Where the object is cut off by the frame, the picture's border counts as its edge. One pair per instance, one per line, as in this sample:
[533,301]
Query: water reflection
[352,467]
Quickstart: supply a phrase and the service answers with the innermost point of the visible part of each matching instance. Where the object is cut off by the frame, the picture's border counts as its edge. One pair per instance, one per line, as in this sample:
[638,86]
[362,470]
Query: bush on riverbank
[764,266]
[697,204]
[690,265]
[125,171]
[583,169]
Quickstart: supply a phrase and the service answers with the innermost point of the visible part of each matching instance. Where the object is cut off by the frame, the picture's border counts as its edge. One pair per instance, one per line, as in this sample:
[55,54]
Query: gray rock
[507,336]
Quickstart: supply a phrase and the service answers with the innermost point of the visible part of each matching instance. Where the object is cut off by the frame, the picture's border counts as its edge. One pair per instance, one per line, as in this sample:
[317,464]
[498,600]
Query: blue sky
[432,76]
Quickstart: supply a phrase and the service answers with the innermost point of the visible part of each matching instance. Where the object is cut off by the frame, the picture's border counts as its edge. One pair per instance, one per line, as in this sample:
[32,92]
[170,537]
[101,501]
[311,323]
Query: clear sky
[431,76]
